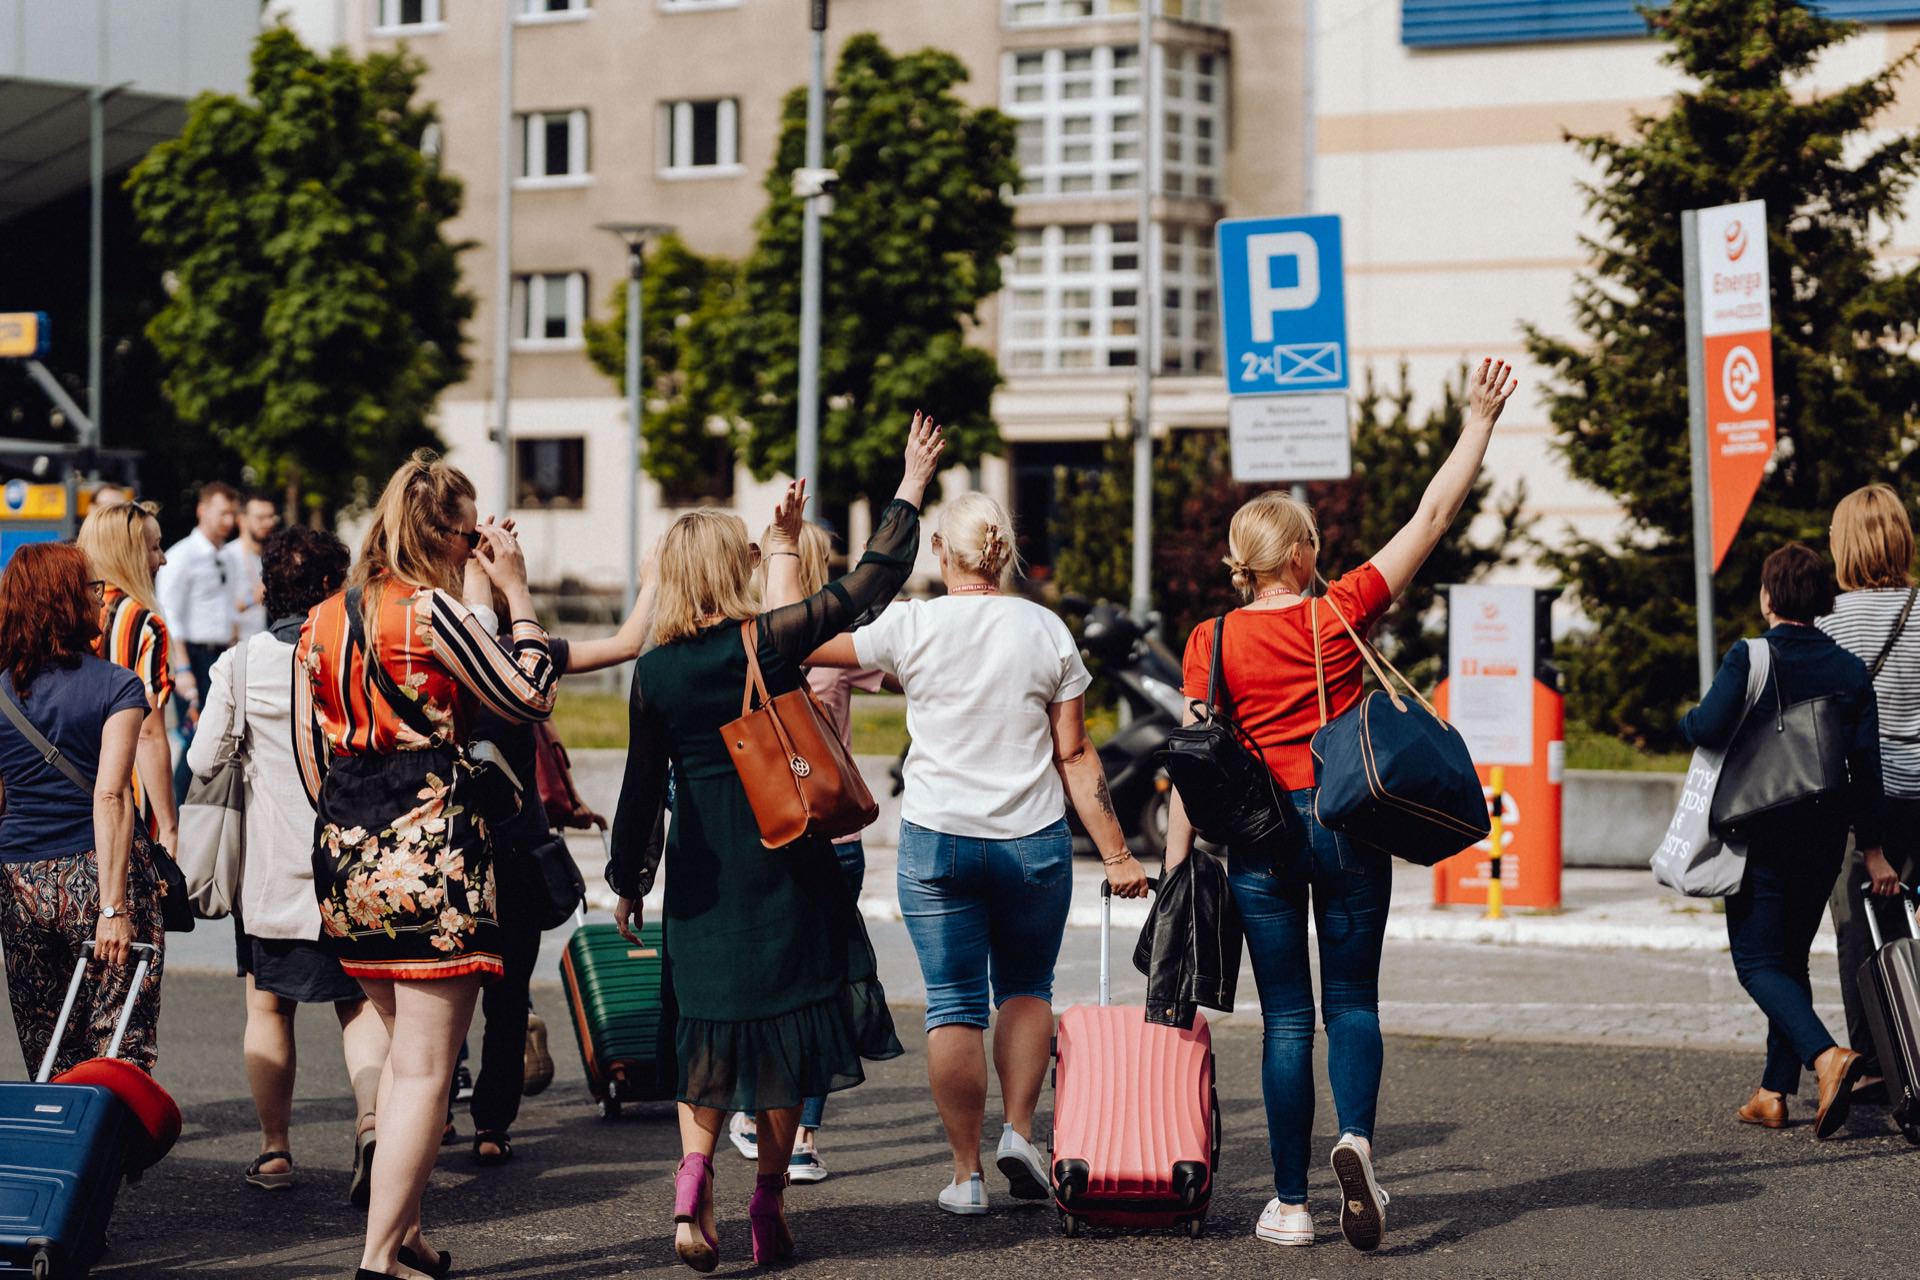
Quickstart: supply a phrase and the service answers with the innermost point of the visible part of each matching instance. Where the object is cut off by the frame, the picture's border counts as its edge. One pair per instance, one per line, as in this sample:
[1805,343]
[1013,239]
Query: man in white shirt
[198,602]
[258,519]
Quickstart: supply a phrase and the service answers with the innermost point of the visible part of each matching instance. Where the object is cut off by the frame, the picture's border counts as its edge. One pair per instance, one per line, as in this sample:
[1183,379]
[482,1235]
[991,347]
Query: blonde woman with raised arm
[1273,549]
[995,708]
[772,972]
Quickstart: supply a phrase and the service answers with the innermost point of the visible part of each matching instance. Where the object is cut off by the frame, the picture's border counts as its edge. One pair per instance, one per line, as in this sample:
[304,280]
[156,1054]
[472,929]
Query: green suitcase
[621,1018]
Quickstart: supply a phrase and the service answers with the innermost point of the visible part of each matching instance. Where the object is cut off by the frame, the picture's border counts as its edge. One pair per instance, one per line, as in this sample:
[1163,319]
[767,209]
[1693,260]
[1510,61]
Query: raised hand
[925,443]
[1489,390]
[500,558]
[789,516]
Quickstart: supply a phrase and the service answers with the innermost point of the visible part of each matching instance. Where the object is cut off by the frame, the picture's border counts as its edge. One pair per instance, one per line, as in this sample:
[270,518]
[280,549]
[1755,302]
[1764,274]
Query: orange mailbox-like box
[1530,857]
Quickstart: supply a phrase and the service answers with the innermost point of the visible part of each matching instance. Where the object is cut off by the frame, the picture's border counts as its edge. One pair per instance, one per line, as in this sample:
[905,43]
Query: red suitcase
[1136,1118]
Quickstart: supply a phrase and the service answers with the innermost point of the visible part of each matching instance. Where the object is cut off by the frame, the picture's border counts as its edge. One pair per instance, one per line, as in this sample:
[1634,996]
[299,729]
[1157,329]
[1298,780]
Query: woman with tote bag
[1793,854]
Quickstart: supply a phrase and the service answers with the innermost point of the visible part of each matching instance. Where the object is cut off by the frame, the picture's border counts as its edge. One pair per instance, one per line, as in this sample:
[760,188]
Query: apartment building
[667,111]
[1436,131]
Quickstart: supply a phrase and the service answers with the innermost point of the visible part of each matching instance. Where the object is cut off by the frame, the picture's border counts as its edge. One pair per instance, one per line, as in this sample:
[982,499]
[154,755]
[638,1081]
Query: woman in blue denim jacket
[1268,659]
[994,687]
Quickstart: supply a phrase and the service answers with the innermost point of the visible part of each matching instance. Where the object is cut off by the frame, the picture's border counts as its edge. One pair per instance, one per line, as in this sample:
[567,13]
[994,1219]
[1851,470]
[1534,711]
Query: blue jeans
[984,910]
[1770,928]
[853,865]
[1349,887]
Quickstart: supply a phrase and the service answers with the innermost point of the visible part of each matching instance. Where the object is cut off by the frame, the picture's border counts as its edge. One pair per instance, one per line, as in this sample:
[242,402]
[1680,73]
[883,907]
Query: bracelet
[1115,861]
[775,554]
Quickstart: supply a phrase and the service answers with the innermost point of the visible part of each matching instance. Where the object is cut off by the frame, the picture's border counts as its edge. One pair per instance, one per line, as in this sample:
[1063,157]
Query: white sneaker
[1363,1204]
[1284,1227]
[745,1140]
[1026,1171]
[967,1198]
[805,1165]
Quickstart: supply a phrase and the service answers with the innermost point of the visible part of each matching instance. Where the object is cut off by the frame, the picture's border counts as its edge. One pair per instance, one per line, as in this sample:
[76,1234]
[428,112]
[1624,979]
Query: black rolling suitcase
[1890,991]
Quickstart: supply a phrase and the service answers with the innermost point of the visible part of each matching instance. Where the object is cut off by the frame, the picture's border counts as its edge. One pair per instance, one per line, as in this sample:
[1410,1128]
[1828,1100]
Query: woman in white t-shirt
[994,687]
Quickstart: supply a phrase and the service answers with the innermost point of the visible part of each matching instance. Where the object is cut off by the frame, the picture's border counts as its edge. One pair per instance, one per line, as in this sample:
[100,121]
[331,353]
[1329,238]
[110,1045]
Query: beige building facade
[1445,157]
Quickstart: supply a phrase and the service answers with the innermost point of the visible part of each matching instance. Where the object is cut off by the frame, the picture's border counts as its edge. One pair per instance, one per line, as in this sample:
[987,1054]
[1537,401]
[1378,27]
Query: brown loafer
[1766,1109]
[1837,1069]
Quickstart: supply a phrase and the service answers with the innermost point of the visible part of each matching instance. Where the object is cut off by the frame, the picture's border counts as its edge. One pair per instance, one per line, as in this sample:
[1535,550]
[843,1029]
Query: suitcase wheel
[43,1268]
[1070,1225]
[609,1108]
[1912,1132]
[1195,1226]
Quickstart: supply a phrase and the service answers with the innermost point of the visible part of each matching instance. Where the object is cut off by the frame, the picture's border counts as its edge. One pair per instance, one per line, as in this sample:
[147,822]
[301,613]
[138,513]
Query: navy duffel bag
[1391,773]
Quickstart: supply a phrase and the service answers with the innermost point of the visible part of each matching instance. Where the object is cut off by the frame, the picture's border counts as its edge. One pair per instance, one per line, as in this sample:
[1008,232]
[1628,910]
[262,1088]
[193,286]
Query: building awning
[44,138]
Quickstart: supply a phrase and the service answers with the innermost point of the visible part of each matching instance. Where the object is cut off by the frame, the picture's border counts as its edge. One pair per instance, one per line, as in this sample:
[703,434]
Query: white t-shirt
[979,673]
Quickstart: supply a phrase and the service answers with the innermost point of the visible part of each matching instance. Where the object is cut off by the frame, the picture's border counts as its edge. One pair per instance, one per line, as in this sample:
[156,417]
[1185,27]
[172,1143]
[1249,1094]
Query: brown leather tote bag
[797,773]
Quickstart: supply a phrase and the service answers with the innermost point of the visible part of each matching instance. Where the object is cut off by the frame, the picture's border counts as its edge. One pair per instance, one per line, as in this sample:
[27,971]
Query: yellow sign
[23,501]
[23,334]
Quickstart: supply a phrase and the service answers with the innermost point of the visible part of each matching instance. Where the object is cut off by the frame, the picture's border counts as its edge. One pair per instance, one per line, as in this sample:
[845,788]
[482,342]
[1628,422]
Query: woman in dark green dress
[769,961]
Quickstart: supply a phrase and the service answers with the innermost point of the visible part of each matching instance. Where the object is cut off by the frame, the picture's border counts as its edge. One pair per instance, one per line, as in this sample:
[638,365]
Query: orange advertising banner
[1736,332]
[1740,430]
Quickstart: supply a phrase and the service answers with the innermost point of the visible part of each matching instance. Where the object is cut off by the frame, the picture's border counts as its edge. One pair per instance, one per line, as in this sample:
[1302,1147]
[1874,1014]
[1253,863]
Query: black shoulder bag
[1231,797]
[496,789]
[176,908]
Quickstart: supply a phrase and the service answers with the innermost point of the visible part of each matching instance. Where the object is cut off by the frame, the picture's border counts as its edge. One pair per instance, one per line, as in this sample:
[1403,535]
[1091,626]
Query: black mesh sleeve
[639,823]
[798,629]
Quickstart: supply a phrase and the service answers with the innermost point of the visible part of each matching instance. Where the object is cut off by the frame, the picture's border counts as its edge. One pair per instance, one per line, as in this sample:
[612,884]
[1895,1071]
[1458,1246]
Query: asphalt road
[1504,1159]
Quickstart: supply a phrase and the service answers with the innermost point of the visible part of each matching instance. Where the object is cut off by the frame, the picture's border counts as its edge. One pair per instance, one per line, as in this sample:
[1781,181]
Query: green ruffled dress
[777,988]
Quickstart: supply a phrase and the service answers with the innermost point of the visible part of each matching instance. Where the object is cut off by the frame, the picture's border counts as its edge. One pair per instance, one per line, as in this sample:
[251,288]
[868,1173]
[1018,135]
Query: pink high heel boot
[772,1242]
[692,1191]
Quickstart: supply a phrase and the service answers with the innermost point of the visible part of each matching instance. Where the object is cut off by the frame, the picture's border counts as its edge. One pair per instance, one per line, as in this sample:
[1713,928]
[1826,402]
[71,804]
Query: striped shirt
[436,650]
[1861,621]
[134,637]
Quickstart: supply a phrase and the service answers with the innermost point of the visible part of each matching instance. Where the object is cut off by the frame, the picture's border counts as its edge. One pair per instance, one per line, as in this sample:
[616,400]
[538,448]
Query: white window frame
[528,285]
[694,6]
[1108,96]
[1106,300]
[387,19]
[530,150]
[675,130]
[586,472]
[535,13]
[1063,13]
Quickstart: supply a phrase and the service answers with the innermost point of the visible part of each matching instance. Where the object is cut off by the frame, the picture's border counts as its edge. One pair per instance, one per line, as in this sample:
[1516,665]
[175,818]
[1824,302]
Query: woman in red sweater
[1268,664]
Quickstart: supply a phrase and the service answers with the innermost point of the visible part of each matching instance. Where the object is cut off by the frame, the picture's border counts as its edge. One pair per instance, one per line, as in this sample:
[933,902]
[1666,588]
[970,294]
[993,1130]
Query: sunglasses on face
[472,537]
[97,589]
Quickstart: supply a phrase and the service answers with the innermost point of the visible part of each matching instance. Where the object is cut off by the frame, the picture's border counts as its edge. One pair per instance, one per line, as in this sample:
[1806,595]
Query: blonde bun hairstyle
[1263,538]
[978,536]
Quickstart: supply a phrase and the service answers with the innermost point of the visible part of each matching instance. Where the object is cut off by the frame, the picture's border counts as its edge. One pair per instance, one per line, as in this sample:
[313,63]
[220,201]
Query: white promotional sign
[1733,271]
[1289,439]
[1490,672]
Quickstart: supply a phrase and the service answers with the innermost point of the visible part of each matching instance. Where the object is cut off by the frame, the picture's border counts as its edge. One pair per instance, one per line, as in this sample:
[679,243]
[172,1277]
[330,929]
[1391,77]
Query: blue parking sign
[1283,308]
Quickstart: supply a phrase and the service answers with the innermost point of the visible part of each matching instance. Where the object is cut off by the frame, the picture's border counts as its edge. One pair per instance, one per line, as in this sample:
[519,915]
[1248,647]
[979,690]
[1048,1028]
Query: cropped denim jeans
[984,912]
[1347,887]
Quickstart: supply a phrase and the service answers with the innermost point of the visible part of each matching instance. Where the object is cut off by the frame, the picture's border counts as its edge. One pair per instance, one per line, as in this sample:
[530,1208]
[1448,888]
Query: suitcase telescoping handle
[1873,916]
[145,951]
[1106,934]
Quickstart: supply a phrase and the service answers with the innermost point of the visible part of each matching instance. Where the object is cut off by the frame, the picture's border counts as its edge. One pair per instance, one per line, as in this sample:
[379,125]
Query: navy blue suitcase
[63,1154]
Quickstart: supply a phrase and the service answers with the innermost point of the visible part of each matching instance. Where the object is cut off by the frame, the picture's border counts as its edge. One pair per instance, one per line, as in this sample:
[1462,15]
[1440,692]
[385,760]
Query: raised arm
[1487,394]
[517,684]
[781,555]
[800,629]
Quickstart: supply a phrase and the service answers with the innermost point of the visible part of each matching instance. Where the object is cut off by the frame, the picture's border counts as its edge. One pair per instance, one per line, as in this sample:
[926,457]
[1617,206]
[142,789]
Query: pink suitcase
[1136,1119]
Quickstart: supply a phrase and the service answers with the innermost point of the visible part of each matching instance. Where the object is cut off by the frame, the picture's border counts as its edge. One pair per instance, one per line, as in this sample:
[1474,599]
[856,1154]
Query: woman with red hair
[69,874]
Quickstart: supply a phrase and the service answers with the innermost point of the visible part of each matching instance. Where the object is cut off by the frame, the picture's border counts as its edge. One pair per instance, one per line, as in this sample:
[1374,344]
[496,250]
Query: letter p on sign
[1266,297]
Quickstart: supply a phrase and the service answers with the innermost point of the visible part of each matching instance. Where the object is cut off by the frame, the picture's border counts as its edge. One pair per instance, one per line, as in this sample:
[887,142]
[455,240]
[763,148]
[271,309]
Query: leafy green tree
[1846,384]
[919,225]
[315,308]
[1395,453]
[687,305]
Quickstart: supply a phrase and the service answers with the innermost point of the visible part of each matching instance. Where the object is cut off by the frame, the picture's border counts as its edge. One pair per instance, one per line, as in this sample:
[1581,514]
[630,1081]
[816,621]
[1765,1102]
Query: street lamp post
[503,269]
[807,461]
[89,434]
[1142,584]
[635,236]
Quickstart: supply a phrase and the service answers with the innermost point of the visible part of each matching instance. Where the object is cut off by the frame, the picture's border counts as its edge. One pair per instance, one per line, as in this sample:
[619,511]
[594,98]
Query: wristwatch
[109,913]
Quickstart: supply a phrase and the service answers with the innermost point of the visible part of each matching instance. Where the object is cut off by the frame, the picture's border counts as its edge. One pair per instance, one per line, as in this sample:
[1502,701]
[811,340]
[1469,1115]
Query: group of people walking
[383,840]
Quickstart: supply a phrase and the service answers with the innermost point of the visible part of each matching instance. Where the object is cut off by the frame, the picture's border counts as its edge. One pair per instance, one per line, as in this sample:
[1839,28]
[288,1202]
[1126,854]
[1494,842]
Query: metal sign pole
[807,450]
[1699,444]
[503,271]
[1142,592]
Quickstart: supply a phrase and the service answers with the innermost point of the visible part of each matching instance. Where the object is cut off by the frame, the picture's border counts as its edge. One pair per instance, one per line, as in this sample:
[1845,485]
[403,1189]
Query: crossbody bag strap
[1216,672]
[10,705]
[1376,660]
[390,693]
[1873,672]
[1319,664]
[238,731]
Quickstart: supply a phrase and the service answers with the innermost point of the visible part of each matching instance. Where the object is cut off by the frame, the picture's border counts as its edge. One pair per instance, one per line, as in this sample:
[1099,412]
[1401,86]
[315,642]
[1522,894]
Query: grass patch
[586,721]
[1589,750]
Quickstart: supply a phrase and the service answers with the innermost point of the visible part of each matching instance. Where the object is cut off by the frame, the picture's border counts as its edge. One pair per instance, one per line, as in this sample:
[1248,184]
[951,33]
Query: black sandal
[443,1262]
[493,1138]
[271,1181]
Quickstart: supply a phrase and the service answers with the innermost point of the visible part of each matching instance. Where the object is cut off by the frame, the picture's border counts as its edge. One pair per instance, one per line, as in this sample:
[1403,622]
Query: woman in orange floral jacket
[402,862]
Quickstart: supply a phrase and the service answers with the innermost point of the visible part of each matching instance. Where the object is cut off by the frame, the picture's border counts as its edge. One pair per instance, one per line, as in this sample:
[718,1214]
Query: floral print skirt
[403,869]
